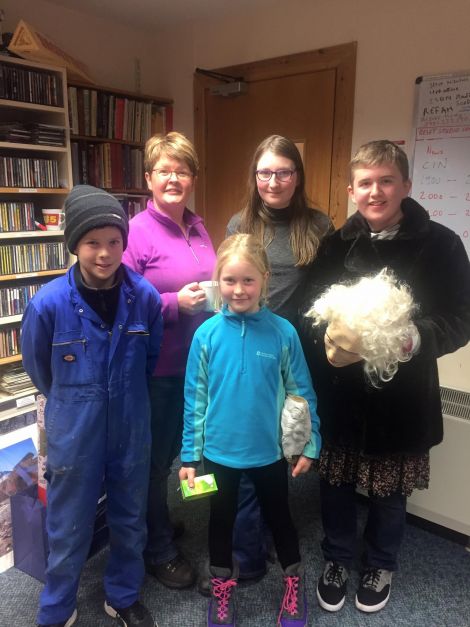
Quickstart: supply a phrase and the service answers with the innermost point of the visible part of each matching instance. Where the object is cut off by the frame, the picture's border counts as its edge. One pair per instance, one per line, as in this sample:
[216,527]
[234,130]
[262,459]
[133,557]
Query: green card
[204,485]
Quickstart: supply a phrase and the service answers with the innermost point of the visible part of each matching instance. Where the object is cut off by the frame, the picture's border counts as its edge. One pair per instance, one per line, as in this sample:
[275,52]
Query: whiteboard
[441,159]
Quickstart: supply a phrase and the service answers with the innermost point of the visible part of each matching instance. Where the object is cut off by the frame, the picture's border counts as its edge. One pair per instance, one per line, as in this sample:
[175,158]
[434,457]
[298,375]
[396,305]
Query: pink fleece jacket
[159,251]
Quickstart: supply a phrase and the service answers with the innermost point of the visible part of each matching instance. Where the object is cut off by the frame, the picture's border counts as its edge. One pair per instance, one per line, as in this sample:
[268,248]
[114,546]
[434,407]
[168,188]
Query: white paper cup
[210,290]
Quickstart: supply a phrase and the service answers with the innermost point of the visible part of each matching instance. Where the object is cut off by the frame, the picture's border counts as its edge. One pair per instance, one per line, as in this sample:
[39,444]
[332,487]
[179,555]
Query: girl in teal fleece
[242,364]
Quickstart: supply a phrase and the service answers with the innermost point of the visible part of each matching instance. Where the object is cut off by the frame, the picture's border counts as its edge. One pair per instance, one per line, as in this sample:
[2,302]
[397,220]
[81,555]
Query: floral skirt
[381,475]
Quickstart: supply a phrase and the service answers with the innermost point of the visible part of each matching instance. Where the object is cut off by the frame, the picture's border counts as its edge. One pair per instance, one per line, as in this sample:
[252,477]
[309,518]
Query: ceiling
[160,14]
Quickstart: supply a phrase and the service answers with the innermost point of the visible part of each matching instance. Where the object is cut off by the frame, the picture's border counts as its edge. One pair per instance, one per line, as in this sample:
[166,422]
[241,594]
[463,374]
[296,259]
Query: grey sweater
[287,280]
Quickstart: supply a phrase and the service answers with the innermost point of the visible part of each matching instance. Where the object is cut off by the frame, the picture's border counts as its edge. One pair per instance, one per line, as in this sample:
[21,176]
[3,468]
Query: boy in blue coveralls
[90,340]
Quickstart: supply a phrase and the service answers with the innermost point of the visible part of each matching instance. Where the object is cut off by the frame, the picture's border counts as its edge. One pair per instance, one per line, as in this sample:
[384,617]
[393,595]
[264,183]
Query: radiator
[447,501]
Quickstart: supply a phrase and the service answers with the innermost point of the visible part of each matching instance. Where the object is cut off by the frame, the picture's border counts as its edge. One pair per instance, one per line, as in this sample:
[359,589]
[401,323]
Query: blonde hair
[378,152]
[248,248]
[305,233]
[377,309]
[173,145]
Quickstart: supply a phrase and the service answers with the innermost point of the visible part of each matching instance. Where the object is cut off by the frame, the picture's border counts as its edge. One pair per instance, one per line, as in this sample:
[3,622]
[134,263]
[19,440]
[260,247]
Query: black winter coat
[404,415]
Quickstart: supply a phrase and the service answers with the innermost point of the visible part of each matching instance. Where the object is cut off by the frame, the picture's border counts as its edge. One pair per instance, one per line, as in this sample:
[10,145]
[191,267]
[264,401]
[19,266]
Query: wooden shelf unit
[109,128]
[31,85]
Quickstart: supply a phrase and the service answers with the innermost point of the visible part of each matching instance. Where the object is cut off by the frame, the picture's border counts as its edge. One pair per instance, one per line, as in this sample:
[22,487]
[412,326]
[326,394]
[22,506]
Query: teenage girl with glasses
[278,212]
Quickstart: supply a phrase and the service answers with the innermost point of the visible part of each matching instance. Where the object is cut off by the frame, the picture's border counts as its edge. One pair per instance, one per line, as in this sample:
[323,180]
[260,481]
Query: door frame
[342,58]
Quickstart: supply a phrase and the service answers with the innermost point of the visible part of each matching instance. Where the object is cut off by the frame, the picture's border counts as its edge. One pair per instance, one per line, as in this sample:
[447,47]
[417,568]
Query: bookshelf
[35,174]
[109,128]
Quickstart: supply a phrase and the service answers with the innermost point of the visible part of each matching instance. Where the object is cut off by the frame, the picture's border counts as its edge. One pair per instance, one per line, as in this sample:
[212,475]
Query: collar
[258,315]
[83,287]
[415,223]
[278,216]
[190,218]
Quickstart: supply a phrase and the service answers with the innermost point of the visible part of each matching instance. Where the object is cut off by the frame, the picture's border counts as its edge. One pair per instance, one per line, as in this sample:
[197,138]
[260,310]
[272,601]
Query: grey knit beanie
[88,208]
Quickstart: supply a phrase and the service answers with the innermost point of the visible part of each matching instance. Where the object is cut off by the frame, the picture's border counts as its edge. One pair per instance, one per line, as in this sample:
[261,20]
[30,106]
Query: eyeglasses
[281,175]
[181,175]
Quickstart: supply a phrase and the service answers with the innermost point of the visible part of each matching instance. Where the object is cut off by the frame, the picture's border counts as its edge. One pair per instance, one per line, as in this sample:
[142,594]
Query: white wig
[378,310]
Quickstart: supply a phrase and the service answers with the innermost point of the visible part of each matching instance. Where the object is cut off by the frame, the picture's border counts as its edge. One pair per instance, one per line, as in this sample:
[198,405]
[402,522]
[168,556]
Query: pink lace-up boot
[293,612]
[222,602]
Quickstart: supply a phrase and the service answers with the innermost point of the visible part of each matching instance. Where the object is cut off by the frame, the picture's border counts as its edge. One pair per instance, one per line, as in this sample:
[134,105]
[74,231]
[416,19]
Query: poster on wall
[441,161]
[18,469]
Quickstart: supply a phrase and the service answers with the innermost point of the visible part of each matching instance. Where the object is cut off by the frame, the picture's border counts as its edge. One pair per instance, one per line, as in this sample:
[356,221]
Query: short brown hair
[174,145]
[378,152]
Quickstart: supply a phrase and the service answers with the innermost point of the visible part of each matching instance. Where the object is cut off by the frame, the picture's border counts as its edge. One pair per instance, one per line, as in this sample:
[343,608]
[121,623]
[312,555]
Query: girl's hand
[191,299]
[187,473]
[302,466]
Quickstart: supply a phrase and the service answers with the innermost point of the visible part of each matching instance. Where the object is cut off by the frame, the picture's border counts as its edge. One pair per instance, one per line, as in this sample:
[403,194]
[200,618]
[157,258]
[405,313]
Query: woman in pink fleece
[170,247]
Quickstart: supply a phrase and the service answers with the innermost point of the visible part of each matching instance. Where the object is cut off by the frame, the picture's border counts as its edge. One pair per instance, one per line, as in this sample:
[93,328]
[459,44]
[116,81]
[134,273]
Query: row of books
[33,133]
[10,342]
[25,258]
[29,172]
[13,300]
[132,205]
[17,216]
[27,85]
[14,380]
[18,422]
[98,114]
[112,166]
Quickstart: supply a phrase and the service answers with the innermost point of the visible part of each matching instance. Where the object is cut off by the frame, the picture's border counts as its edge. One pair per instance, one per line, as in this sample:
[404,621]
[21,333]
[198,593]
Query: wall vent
[455,403]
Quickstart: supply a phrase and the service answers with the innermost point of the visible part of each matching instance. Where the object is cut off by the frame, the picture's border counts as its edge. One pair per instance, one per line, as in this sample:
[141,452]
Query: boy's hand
[191,299]
[302,466]
[187,473]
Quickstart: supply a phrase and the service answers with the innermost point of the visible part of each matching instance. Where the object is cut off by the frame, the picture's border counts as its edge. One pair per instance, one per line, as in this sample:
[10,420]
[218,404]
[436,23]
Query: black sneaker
[331,587]
[67,623]
[374,590]
[136,615]
[177,573]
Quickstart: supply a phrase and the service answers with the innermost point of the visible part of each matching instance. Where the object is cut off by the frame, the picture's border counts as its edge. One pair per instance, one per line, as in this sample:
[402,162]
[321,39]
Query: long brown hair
[304,232]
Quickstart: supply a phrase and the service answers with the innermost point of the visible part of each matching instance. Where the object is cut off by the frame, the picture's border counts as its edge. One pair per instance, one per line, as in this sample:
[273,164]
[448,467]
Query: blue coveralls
[98,428]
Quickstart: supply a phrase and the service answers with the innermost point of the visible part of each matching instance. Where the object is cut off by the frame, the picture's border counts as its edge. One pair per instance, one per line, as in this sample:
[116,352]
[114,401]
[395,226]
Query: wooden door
[296,97]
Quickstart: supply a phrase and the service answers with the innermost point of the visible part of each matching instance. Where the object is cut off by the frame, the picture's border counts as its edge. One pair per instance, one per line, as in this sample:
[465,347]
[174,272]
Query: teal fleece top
[239,371]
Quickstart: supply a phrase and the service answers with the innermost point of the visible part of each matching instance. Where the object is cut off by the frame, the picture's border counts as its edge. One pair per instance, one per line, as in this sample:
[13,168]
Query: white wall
[397,41]
[109,50]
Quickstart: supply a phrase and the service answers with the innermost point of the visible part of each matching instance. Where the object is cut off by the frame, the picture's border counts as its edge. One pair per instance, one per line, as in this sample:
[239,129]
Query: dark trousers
[167,406]
[383,533]
[272,491]
[251,538]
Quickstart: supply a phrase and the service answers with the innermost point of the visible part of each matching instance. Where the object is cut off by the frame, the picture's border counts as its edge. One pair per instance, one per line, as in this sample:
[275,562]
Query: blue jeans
[383,533]
[167,407]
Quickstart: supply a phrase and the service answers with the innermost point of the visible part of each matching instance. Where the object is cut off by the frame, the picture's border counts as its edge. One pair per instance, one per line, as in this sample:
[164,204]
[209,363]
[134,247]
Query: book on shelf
[14,381]
[73,110]
[26,258]
[96,113]
[29,172]
[30,85]
[9,342]
[132,205]
[13,300]
[111,166]
[32,133]
[17,216]
[19,421]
